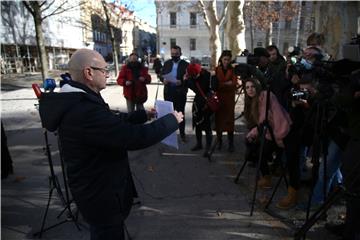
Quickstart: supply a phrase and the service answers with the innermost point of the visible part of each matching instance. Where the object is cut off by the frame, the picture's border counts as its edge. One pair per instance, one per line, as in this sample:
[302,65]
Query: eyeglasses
[105,70]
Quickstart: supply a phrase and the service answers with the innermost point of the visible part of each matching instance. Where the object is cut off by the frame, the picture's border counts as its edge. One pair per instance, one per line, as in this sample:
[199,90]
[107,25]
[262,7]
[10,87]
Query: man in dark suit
[175,91]
[95,141]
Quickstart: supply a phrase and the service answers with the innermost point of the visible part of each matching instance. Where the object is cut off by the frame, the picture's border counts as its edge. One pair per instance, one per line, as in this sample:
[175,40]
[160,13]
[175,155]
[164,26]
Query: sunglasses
[105,70]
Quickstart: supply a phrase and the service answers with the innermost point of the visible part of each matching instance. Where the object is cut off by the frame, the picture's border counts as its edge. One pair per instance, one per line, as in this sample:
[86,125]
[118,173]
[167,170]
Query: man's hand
[128,83]
[166,82]
[178,82]
[179,116]
[141,79]
[151,113]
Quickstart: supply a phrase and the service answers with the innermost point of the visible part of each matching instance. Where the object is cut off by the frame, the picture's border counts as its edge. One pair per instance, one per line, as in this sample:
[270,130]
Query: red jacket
[136,91]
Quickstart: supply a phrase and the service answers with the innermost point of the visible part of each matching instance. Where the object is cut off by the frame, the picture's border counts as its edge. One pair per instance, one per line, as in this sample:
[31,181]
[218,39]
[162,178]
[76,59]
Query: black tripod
[319,145]
[337,194]
[263,129]
[54,184]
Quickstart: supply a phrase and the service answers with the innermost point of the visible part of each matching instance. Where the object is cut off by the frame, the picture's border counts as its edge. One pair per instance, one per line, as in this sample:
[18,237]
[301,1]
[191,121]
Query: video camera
[299,94]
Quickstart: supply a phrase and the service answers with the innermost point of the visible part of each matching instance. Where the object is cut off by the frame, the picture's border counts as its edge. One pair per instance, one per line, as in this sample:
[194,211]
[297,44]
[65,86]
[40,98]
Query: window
[172,42]
[192,20]
[173,19]
[192,44]
[259,44]
[287,24]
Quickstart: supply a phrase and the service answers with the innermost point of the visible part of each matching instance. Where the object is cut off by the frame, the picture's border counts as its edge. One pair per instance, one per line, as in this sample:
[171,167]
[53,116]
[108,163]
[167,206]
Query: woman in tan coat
[227,81]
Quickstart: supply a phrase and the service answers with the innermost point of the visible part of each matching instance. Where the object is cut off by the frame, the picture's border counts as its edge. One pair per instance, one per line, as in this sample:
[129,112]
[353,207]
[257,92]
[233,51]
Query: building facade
[81,26]
[182,23]
[18,39]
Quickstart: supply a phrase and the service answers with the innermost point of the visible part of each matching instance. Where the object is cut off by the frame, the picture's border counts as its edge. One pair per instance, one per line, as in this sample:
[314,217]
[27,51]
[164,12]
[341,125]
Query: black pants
[269,147]
[292,152]
[208,132]
[179,100]
[351,172]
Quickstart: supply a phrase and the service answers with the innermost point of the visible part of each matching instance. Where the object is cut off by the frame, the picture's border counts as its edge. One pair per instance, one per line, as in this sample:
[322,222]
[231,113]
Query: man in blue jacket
[95,141]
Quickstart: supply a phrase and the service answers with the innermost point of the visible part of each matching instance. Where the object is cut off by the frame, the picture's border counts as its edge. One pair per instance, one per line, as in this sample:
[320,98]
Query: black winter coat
[94,143]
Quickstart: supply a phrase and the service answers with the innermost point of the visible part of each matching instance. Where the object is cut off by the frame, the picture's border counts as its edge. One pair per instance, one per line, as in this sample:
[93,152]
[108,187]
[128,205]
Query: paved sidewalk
[183,195]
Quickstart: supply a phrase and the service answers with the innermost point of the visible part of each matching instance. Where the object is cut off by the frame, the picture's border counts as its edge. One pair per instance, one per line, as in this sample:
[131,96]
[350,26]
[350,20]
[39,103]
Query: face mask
[175,58]
[307,65]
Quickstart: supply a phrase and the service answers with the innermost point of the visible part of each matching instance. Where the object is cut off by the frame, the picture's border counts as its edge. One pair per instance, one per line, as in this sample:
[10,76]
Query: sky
[145,9]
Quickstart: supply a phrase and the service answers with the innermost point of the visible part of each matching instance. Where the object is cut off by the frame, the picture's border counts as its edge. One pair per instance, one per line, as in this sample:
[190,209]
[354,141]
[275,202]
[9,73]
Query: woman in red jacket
[134,77]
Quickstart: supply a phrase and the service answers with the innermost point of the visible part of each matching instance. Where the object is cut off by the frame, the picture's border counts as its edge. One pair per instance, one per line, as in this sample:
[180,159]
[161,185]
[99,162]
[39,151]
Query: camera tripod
[350,181]
[54,184]
[262,129]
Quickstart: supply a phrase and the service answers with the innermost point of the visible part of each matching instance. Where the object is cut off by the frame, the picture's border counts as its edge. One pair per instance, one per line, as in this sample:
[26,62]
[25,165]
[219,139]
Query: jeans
[333,173]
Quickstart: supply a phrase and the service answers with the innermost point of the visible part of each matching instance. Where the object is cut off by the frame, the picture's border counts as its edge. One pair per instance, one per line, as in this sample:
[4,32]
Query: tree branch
[206,18]
[60,10]
[28,7]
[222,18]
[48,6]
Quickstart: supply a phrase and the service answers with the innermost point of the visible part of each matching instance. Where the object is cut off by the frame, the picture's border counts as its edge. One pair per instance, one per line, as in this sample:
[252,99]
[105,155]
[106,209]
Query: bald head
[81,59]
[89,68]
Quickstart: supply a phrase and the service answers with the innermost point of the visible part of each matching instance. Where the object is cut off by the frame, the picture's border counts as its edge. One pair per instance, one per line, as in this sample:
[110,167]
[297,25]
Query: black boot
[198,135]
[198,146]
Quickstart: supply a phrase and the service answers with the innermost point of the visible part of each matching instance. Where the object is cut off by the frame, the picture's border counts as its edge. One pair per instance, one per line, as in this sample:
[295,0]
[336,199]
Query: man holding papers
[174,89]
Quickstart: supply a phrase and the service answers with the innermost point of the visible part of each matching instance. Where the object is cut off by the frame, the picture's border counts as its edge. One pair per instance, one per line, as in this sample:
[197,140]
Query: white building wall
[182,32]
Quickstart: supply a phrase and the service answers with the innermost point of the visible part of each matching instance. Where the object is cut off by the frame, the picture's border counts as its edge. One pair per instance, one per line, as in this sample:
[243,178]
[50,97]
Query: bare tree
[112,37]
[213,23]
[235,27]
[40,10]
[262,14]
[338,22]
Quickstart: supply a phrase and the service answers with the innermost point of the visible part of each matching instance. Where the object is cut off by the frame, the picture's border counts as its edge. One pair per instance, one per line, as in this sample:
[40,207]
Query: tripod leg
[241,169]
[273,193]
[262,145]
[45,214]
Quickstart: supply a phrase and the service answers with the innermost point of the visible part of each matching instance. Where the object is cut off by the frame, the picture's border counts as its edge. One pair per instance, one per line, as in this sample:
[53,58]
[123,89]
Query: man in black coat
[95,141]
[176,91]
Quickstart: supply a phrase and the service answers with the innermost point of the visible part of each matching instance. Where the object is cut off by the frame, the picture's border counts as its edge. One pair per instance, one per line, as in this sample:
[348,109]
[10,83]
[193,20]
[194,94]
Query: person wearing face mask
[176,91]
[134,77]
[198,80]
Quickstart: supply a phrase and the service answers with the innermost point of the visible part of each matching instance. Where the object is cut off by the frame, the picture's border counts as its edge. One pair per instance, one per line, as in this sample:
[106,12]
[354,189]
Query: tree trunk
[235,29]
[112,38]
[215,45]
[268,35]
[338,22]
[40,40]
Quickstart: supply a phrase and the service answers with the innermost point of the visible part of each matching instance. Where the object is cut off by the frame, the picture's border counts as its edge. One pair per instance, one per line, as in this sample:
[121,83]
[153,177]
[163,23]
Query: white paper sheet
[169,77]
[163,108]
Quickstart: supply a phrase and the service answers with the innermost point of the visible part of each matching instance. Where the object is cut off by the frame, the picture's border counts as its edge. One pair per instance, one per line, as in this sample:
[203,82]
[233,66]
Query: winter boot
[265,182]
[288,201]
